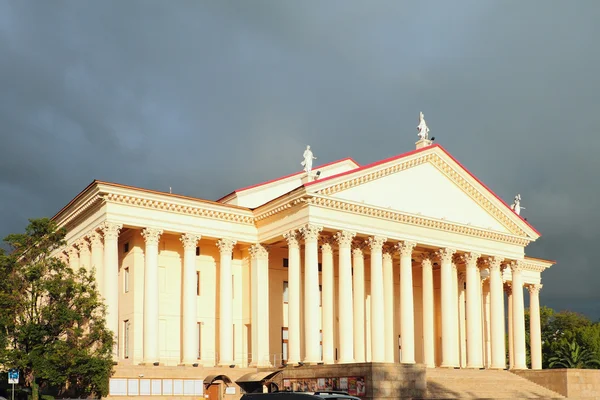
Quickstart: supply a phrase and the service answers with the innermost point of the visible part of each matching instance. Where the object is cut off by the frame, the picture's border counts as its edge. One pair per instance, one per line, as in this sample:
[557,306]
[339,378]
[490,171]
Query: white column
[85,256]
[518,315]
[462,326]
[428,312]
[391,344]
[474,342]
[151,236]
[358,262]
[511,341]
[311,293]
[98,260]
[456,339]
[449,353]
[535,329]
[377,300]
[189,353]
[407,311]
[345,314]
[73,258]
[327,295]
[226,304]
[487,344]
[111,279]
[259,265]
[293,297]
[497,315]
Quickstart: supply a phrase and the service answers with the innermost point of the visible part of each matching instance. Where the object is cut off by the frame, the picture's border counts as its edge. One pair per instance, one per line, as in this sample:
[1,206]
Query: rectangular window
[126,338]
[197,250]
[286,262]
[320,295]
[199,334]
[197,283]
[126,247]
[284,345]
[285,292]
[320,267]
[126,280]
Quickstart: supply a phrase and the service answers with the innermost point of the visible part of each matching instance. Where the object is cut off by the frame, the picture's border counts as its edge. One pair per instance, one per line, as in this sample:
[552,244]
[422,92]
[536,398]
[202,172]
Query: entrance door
[213,392]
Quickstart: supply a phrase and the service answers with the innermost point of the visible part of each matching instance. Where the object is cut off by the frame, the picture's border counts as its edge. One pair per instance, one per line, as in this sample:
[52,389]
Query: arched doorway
[213,386]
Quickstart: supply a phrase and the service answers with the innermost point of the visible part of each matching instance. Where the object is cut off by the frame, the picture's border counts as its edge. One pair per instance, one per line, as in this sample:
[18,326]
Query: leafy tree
[52,319]
[570,355]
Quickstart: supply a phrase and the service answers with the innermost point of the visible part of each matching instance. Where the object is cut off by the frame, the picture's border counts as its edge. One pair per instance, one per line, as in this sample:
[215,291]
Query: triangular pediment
[428,183]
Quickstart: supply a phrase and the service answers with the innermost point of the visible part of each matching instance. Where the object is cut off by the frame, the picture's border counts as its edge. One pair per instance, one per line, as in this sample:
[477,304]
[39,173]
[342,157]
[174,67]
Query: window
[320,295]
[284,345]
[126,338]
[199,334]
[126,247]
[286,262]
[320,267]
[197,283]
[285,292]
[197,250]
[126,280]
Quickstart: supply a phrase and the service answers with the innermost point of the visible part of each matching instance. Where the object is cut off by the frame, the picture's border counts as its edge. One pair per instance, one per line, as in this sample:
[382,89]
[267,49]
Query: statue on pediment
[422,127]
[308,159]
[516,205]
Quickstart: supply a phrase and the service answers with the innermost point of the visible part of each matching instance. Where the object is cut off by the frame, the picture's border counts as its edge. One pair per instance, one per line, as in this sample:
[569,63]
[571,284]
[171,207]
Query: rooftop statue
[516,205]
[422,127]
[308,159]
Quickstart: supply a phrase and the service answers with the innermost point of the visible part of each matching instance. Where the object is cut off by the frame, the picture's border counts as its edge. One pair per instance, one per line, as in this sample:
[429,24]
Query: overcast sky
[206,97]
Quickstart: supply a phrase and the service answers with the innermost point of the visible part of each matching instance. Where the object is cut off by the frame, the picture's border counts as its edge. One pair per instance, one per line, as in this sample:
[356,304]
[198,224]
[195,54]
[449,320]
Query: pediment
[427,183]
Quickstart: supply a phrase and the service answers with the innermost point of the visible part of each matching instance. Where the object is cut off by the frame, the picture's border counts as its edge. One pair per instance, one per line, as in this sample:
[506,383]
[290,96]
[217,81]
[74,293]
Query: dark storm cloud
[205,97]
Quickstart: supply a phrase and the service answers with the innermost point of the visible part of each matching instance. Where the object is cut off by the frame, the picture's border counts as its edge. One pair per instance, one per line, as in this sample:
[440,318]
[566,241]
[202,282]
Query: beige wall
[581,384]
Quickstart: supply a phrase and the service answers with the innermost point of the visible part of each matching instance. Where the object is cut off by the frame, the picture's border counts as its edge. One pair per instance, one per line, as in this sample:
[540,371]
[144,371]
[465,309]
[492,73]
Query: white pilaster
[358,262]
[407,314]
[226,305]
[518,315]
[260,306]
[449,353]
[535,329]
[377,300]
[189,353]
[151,236]
[511,338]
[345,315]
[97,262]
[391,344]
[474,342]
[311,293]
[327,302]
[111,278]
[293,297]
[497,315]
[428,311]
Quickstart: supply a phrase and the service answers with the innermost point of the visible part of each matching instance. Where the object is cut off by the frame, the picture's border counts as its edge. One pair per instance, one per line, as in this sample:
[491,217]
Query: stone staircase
[482,384]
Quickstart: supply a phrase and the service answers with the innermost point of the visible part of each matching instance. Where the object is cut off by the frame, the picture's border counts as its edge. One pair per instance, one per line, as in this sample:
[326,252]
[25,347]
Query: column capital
[259,251]
[110,229]
[470,259]
[326,244]
[83,245]
[388,253]
[357,248]
[95,238]
[534,288]
[427,259]
[493,263]
[152,235]
[190,240]
[405,248]
[445,254]
[344,238]
[226,245]
[376,242]
[72,251]
[516,266]
[310,233]
[292,238]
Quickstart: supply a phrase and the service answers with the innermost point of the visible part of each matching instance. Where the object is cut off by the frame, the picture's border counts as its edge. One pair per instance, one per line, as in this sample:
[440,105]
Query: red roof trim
[410,153]
[290,175]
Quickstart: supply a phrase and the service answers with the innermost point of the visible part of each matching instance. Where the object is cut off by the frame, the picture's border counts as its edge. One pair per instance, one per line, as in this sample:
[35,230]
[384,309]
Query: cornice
[90,203]
[457,177]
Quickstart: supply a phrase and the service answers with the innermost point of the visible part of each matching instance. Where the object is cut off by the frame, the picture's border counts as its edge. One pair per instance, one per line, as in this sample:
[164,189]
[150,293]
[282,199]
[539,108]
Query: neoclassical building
[410,259]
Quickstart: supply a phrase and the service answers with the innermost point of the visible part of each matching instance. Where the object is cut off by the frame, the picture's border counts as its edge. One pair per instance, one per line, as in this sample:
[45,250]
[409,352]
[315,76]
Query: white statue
[422,127]
[308,159]
[516,205]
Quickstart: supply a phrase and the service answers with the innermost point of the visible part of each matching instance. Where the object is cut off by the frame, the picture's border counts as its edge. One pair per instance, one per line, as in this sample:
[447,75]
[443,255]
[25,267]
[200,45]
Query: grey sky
[207,96]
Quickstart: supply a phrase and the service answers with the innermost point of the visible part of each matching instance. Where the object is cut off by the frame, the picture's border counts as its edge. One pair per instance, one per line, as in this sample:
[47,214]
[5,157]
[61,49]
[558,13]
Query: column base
[188,363]
[260,364]
[346,361]
[408,362]
[474,367]
[150,363]
[497,367]
[230,364]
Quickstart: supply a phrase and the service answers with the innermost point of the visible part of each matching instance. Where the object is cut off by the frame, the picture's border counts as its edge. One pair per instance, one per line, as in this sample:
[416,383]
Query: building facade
[408,260]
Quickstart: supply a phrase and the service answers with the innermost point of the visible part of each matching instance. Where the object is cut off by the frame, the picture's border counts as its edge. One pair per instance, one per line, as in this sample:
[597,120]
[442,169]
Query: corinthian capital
[152,235]
[83,245]
[446,254]
[326,244]
[189,240]
[95,239]
[405,248]
[493,263]
[427,259]
[376,242]
[292,238]
[226,245]
[110,230]
[470,259]
[73,252]
[311,232]
[259,251]
[516,266]
[388,253]
[344,238]
[534,288]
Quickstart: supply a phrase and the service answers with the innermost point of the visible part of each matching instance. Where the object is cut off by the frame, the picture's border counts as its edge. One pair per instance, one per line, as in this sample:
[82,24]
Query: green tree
[569,354]
[52,319]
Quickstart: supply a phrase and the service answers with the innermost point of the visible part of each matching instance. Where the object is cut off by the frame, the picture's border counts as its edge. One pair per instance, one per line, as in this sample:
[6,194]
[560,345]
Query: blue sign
[13,376]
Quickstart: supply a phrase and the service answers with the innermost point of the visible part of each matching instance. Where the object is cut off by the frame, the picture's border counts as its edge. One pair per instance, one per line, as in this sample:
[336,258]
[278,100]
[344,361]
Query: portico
[341,267]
